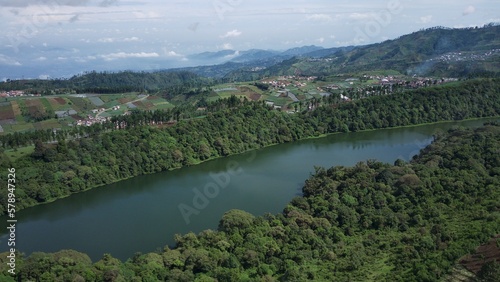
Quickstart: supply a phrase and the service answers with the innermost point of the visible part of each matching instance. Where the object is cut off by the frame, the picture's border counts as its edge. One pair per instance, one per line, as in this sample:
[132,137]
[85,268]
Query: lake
[144,213]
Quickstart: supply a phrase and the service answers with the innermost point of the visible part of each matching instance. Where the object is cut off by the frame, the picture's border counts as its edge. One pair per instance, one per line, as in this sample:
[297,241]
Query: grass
[96,101]
[80,105]
[47,124]
[22,127]
[14,154]
[111,104]
[15,108]
[164,106]
[111,97]
[46,104]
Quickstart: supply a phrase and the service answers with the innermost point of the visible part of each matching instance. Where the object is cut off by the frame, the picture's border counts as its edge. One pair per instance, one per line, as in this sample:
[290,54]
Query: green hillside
[370,222]
[436,51]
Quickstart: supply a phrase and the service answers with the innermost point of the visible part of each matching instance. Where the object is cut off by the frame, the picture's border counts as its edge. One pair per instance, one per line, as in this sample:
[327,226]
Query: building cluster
[16,93]
[459,56]
[90,120]
[321,59]
[285,81]
[97,111]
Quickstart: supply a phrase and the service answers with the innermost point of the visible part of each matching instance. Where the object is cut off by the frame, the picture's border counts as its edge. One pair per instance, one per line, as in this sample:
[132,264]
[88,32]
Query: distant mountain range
[253,54]
[436,51]
[228,61]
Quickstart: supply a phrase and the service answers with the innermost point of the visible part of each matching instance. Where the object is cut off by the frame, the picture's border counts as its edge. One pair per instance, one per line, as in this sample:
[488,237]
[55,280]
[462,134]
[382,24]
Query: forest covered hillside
[436,51]
[65,163]
[370,222]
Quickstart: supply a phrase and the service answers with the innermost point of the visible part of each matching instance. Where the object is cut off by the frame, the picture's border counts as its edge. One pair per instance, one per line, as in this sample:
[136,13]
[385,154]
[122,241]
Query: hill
[370,222]
[109,82]
[439,51]
[434,52]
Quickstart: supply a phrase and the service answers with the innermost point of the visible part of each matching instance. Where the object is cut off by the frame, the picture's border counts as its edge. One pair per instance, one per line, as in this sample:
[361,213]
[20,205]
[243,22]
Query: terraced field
[15,112]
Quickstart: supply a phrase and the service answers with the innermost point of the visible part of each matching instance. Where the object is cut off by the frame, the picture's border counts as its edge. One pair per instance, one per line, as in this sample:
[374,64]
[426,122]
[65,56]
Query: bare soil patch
[254,96]
[483,254]
[60,100]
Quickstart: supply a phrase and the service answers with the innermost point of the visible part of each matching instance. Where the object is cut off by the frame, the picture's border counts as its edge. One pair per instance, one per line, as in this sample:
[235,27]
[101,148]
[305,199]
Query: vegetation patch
[47,124]
[482,255]
[6,112]
[369,222]
[96,101]
[124,100]
[59,100]
[14,154]
[254,96]
[80,104]
[16,108]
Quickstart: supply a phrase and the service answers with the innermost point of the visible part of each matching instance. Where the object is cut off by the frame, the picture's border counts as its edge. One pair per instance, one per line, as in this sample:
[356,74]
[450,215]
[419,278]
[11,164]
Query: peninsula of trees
[108,154]
[373,221]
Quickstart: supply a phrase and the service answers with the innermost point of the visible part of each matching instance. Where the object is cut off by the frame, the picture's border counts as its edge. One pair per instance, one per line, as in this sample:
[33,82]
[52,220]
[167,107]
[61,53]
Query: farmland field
[81,104]
[12,113]
[96,101]
[6,112]
[47,124]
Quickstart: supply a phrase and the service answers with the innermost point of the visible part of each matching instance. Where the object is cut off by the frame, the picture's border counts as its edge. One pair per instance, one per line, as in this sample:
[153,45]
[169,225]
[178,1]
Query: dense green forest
[373,221]
[170,83]
[108,155]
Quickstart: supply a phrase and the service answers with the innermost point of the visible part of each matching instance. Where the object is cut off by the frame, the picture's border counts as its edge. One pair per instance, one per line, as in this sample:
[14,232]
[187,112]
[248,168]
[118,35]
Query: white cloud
[5,60]
[469,10]
[321,39]
[24,3]
[172,54]
[235,54]
[112,40]
[44,76]
[106,40]
[41,59]
[361,16]
[232,33]
[426,19]
[123,55]
[130,39]
[226,46]
[319,18]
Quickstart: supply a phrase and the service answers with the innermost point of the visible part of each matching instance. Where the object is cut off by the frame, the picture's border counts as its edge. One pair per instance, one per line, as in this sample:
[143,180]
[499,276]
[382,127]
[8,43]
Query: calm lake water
[142,214]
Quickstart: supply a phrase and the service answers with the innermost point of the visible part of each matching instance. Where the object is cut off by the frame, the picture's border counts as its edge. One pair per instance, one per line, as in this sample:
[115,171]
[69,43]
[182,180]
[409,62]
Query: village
[91,119]
[288,93]
[17,93]
[465,56]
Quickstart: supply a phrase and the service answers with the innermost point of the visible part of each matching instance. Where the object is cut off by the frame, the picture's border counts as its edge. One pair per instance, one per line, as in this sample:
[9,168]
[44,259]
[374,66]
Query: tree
[490,272]
[234,220]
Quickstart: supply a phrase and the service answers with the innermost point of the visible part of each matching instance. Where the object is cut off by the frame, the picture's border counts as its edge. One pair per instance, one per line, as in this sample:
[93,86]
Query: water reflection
[142,213]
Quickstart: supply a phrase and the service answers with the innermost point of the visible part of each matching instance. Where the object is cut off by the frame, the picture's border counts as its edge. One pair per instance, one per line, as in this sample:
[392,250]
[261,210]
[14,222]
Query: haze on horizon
[60,38]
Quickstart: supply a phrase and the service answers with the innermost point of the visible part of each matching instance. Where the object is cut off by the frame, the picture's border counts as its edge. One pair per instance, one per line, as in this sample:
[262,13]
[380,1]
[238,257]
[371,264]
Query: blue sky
[64,37]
